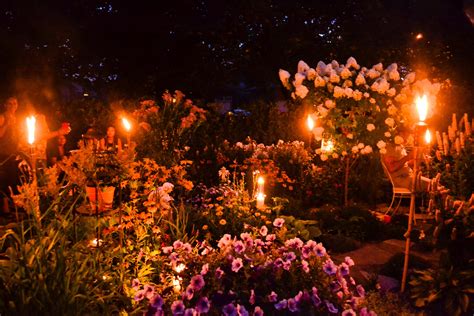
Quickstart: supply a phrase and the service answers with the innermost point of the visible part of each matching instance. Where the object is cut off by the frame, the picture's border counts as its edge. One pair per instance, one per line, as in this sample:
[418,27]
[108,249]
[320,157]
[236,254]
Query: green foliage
[394,267]
[452,288]
[305,229]
[390,304]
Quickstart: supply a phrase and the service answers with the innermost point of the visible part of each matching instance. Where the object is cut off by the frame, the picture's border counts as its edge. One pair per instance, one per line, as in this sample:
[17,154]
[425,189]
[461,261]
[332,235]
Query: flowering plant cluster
[358,109]
[260,272]
[167,128]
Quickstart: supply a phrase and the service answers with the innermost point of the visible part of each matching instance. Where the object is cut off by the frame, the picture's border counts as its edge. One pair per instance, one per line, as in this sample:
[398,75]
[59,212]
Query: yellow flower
[222,222]
[219,214]
[219,208]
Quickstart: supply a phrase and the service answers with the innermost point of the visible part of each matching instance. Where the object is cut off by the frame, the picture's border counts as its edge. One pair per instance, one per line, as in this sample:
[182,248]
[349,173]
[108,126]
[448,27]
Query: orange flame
[422,107]
[31,126]
[126,124]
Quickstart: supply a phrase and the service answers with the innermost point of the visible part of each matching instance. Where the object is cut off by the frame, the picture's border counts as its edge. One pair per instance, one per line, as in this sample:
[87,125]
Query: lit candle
[260,200]
[422,107]
[128,127]
[31,126]
[428,136]
[260,184]
[310,123]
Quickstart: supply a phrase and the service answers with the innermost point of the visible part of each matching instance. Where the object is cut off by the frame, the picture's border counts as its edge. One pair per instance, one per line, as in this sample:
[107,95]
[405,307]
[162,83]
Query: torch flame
[428,136]
[126,124]
[260,180]
[310,122]
[422,107]
[31,125]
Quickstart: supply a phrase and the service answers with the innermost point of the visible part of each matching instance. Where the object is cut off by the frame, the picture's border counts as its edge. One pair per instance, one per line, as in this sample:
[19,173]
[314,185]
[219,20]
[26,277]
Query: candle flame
[31,125]
[310,122]
[126,124]
[260,180]
[428,136]
[422,107]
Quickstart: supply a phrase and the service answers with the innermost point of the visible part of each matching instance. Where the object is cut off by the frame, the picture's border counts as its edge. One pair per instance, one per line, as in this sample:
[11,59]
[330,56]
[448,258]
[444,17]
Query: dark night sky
[208,48]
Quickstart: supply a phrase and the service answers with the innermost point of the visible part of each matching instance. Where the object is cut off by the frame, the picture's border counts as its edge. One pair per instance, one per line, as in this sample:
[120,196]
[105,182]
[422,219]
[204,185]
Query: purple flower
[149,291]
[237,265]
[281,304]
[263,230]
[135,284]
[278,262]
[177,308]
[348,312]
[331,308]
[334,286]
[205,269]
[315,297]
[197,282]
[329,267]
[189,312]
[189,293]
[257,311]
[229,310]
[344,269]
[360,290]
[319,250]
[272,297]
[289,256]
[278,222]
[202,305]
[306,251]
[252,297]
[177,244]
[219,273]
[157,302]
[139,295]
[239,246]
[241,311]
[349,261]
[299,297]
[293,305]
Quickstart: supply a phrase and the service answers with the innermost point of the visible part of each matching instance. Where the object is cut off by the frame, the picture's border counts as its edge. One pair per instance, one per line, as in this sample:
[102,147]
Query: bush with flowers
[357,109]
[167,127]
[259,272]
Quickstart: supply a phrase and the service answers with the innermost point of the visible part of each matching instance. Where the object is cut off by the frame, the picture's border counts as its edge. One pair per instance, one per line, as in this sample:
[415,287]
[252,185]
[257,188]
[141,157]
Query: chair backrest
[387,173]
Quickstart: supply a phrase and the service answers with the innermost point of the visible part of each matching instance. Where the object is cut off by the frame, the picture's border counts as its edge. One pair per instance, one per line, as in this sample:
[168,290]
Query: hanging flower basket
[105,197]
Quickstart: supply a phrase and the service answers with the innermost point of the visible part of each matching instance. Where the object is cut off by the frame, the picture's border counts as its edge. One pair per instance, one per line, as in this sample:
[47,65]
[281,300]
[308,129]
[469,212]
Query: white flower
[366,95]
[381,144]
[361,145]
[302,67]
[319,82]
[380,85]
[345,73]
[322,110]
[360,80]
[372,74]
[333,77]
[338,92]
[335,64]
[378,67]
[410,78]
[392,110]
[391,92]
[355,149]
[383,151]
[368,149]
[390,121]
[387,134]
[321,68]
[348,92]
[284,76]
[311,74]
[330,104]
[372,100]
[398,140]
[370,127]
[298,79]
[351,62]
[344,153]
[357,95]
[301,91]
[335,155]
[323,157]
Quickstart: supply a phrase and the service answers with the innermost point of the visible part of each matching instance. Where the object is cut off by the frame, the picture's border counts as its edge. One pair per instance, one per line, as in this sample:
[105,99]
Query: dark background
[54,52]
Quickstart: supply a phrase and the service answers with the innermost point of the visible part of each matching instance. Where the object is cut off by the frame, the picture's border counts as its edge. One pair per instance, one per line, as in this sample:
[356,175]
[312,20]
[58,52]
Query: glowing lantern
[422,107]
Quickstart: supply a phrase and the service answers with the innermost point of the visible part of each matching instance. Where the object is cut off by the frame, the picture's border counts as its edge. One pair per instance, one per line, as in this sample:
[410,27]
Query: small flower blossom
[329,267]
[293,305]
[331,308]
[197,282]
[202,305]
[219,273]
[264,231]
[387,134]
[360,290]
[272,297]
[281,305]
[157,302]
[305,266]
[252,297]
[205,269]
[319,250]
[239,246]
[370,127]
[348,260]
[177,308]
[237,265]
[229,310]
[278,222]
[344,269]
[136,284]
[189,312]
[381,144]
[390,121]
[140,295]
[301,91]
[258,311]
[398,140]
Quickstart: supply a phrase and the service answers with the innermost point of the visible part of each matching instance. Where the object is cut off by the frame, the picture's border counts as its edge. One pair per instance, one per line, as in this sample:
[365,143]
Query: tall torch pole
[420,129]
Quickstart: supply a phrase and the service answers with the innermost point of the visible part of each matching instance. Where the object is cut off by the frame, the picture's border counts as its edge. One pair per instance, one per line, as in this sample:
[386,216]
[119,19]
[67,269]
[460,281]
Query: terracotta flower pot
[105,197]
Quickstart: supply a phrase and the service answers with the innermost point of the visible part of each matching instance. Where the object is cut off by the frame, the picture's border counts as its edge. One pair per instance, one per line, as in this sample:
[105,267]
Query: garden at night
[262,157]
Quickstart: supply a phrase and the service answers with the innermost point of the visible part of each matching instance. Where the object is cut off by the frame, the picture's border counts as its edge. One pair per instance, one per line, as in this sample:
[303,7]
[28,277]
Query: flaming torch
[128,128]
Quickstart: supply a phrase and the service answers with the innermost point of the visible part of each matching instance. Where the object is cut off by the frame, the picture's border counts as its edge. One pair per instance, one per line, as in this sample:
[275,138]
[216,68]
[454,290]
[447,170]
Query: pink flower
[278,222]
[205,269]
[264,231]
[237,265]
